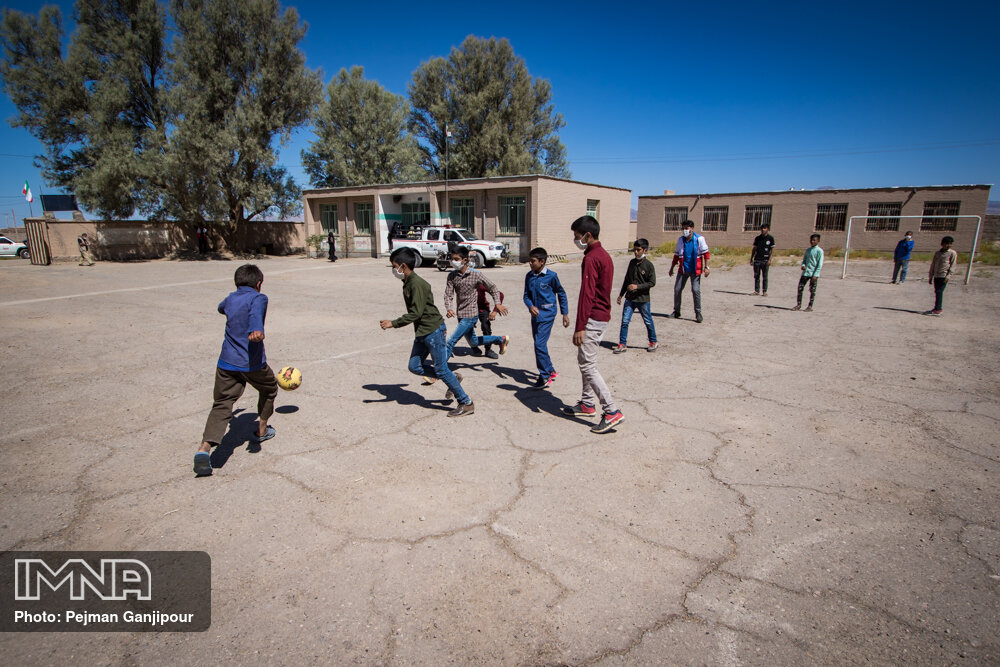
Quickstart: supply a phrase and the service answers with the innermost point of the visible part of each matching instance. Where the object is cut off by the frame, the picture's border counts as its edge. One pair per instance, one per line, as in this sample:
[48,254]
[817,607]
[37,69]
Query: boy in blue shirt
[541,289]
[901,258]
[242,360]
[812,263]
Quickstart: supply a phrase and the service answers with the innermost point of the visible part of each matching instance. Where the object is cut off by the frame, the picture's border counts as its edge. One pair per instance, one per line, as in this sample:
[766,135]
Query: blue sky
[695,97]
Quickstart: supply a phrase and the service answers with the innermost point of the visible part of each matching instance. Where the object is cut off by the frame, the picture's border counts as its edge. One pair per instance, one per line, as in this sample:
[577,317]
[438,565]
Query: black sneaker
[677,315]
[608,422]
[476,352]
[698,318]
[463,409]
[580,410]
[492,355]
[539,383]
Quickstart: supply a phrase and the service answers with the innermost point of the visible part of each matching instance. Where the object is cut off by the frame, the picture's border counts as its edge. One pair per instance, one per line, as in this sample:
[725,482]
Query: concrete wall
[141,239]
[793,216]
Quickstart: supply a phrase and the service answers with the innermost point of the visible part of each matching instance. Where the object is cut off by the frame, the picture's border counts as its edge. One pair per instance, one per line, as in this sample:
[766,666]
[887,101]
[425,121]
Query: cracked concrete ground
[788,488]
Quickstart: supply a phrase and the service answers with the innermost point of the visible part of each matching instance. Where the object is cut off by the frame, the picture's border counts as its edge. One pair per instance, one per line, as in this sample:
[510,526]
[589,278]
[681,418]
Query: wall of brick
[793,216]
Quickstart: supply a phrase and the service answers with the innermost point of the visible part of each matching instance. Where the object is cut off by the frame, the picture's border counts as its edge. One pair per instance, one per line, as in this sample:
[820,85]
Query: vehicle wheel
[476,259]
[490,263]
[23,253]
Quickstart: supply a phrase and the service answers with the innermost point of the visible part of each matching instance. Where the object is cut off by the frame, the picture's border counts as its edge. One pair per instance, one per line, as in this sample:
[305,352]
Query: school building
[733,219]
[521,212]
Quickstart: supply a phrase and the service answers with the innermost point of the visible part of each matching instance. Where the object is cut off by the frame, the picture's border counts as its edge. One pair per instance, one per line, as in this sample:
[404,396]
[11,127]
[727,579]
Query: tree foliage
[501,118]
[185,129]
[361,136]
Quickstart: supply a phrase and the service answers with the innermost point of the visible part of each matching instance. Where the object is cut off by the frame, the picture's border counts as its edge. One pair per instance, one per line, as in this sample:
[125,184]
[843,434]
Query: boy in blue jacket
[242,360]
[541,289]
[901,258]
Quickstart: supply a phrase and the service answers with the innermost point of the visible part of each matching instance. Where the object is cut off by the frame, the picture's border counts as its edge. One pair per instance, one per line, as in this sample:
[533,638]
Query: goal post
[972,252]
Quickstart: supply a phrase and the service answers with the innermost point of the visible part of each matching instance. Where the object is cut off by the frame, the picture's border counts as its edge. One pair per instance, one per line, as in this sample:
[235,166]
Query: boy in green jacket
[640,277]
[812,262]
[429,330]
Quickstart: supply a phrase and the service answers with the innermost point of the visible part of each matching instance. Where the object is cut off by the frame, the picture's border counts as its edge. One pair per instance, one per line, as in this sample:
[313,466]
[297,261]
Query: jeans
[594,386]
[899,268]
[540,331]
[939,285]
[467,328]
[812,289]
[647,318]
[434,345]
[682,279]
[759,270]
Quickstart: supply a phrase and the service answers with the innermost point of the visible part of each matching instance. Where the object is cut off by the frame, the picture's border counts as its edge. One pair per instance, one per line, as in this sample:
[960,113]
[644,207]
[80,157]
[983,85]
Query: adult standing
[202,239]
[760,257]
[901,258]
[331,241]
[691,255]
[83,243]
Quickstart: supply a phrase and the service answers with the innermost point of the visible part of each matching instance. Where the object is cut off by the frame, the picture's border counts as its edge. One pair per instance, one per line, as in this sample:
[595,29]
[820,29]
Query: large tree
[99,111]
[501,119]
[188,129]
[361,136]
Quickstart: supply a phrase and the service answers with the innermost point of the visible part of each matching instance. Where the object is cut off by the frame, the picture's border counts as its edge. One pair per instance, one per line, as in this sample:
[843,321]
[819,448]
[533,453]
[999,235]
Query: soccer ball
[289,378]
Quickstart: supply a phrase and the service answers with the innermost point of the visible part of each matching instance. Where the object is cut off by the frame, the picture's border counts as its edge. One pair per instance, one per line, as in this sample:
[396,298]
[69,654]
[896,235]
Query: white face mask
[908,238]
[639,257]
[456,265]
[397,273]
[580,243]
[687,233]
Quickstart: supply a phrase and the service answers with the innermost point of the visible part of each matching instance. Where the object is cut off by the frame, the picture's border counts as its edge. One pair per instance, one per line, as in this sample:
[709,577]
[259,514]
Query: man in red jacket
[593,312]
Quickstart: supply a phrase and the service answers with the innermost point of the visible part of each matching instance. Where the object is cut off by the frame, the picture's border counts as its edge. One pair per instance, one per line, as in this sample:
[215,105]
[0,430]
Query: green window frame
[363,219]
[512,214]
[463,214]
[416,213]
[592,206]
[328,218]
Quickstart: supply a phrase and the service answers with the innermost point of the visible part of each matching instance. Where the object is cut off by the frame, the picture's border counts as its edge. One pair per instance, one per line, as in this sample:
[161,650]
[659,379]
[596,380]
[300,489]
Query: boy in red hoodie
[593,312]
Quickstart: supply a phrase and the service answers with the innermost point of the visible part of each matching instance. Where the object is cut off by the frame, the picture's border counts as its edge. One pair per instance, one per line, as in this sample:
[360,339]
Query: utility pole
[447,135]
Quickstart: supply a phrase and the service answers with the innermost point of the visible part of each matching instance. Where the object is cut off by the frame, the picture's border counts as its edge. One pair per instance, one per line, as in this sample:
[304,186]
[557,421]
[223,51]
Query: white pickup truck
[432,241]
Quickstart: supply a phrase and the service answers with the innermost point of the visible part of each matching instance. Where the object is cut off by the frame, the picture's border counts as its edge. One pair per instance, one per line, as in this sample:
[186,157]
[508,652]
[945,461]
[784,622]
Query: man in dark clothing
[332,242]
[760,257]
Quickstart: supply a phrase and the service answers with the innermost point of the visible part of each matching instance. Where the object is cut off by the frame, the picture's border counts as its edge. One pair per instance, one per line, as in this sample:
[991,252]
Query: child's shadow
[241,426]
[516,374]
[541,400]
[394,393]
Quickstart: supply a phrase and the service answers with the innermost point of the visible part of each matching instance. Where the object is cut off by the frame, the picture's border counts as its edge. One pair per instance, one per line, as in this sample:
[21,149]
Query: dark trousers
[486,325]
[202,244]
[229,386]
[759,270]
[679,283]
[812,289]
[939,285]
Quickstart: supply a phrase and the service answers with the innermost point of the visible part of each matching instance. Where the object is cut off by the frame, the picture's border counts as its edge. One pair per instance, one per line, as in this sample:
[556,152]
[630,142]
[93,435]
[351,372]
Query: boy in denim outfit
[541,291]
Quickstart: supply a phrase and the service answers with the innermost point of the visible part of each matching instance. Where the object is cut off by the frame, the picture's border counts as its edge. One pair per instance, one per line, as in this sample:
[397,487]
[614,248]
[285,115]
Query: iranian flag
[27,193]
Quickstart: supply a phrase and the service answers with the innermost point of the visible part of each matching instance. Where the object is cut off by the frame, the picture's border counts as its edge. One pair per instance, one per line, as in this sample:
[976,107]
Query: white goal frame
[975,239]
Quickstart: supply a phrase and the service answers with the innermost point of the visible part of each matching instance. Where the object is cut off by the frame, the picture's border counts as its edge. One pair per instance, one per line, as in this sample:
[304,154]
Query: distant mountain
[993,207]
[634,213]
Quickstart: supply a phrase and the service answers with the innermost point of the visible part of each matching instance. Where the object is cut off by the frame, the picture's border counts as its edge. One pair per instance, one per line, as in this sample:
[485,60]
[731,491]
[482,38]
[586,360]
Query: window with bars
[883,224]
[592,206]
[363,219]
[328,218]
[674,217]
[416,213]
[831,217]
[462,213]
[715,219]
[511,214]
[939,224]
[755,216]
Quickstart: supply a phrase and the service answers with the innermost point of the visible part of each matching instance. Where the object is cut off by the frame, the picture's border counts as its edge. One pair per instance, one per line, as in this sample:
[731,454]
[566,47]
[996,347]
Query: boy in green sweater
[640,277]
[429,330]
[812,262]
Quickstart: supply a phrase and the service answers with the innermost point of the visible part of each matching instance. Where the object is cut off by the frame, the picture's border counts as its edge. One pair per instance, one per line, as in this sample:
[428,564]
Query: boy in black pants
[760,257]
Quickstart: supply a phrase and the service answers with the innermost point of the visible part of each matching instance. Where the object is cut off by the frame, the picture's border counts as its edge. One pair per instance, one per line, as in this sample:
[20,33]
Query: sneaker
[580,410]
[492,355]
[676,315]
[545,382]
[476,352]
[756,294]
[698,318]
[763,293]
[893,282]
[652,347]
[429,380]
[620,348]
[608,422]
[808,309]
[202,464]
[450,394]
[504,342]
[797,307]
[463,409]
[539,383]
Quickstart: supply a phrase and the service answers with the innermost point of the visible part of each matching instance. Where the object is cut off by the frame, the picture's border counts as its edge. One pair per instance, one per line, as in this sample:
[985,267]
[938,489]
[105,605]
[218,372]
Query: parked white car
[10,248]
[431,241]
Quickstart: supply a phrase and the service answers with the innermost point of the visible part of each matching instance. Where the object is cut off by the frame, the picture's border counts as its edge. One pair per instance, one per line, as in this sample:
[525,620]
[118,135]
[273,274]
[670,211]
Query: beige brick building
[521,212]
[732,220]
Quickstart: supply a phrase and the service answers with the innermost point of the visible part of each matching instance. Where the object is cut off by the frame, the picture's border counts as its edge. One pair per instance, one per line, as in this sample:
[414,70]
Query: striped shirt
[463,286]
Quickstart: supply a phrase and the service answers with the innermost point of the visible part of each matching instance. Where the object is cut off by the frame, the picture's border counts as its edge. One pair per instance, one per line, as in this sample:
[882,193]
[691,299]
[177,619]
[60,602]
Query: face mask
[639,257]
[398,274]
[908,238]
[687,233]
[580,243]
[456,265]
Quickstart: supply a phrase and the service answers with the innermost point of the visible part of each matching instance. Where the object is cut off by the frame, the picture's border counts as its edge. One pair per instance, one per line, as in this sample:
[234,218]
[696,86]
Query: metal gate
[37,246]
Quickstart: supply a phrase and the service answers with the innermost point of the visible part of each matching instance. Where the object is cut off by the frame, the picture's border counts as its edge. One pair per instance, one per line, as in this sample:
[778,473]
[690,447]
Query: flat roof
[485,179]
[794,191]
